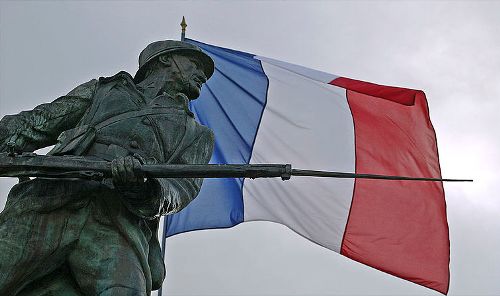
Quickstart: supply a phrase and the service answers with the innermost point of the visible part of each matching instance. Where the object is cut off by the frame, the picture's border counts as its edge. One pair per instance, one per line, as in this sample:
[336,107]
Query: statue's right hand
[127,175]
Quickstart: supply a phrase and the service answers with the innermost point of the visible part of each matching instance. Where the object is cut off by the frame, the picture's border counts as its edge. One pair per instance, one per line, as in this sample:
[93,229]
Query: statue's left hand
[10,132]
[127,175]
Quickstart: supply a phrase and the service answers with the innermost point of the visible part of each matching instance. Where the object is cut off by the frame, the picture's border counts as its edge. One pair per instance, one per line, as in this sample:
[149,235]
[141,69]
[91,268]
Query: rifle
[68,166]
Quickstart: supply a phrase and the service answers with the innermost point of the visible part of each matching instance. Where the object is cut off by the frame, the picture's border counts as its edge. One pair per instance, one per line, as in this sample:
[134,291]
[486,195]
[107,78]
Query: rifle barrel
[217,170]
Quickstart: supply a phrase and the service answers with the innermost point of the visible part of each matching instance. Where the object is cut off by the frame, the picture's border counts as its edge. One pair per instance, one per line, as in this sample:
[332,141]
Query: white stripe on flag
[297,69]
[308,124]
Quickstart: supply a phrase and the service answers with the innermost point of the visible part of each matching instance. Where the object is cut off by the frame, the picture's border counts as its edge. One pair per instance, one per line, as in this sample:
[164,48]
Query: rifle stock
[32,165]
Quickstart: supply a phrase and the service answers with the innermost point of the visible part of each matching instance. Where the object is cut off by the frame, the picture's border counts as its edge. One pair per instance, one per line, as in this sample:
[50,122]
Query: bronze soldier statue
[74,236]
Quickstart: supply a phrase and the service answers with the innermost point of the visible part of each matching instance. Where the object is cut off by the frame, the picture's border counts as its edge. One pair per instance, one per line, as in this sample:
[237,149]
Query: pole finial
[183,26]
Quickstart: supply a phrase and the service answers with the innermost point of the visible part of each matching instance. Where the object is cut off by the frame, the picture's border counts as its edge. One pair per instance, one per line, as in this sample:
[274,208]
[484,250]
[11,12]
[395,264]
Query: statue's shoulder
[84,90]
[89,88]
[120,76]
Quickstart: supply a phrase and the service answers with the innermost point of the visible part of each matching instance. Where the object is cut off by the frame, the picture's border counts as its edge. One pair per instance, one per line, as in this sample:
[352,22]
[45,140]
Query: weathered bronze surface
[74,236]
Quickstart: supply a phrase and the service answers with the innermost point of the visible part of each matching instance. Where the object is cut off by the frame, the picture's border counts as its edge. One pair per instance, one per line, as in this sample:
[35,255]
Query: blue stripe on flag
[231,104]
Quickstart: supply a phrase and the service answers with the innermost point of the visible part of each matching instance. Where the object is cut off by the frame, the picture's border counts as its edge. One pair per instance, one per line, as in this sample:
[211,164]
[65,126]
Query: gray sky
[448,49]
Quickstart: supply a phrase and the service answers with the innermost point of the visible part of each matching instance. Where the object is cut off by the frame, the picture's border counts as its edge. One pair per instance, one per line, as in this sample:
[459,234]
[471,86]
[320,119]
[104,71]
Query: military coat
[109,118]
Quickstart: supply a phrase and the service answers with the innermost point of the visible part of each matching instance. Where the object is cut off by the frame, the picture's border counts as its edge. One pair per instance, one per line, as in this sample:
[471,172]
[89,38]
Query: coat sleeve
[40,127]
[177,193]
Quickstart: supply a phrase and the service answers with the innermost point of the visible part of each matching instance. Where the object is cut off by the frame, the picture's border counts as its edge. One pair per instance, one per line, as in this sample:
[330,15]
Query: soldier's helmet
[159,48]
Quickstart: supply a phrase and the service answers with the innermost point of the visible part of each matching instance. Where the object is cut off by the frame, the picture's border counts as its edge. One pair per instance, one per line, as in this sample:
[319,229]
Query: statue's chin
[192,93]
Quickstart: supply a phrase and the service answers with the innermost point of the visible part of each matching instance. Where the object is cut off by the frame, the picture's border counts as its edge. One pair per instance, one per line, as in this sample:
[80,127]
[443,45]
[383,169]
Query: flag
[267,111]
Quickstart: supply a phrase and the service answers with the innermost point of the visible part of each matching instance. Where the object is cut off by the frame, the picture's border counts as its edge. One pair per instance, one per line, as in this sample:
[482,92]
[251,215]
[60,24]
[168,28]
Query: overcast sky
[448,49]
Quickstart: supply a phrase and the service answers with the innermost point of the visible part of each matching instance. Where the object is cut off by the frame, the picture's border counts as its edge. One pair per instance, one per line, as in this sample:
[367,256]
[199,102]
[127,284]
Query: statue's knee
[122,291]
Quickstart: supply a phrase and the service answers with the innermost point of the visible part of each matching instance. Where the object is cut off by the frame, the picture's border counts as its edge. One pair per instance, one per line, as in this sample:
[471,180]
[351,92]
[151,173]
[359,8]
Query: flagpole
[165,220]
[183,28]
[163,246]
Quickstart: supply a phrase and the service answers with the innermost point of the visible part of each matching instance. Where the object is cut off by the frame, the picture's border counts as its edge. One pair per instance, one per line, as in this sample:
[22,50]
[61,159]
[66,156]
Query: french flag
[268,111]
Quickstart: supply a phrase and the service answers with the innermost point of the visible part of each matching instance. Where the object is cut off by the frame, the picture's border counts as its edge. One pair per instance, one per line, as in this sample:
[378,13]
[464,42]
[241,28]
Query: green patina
[83,237]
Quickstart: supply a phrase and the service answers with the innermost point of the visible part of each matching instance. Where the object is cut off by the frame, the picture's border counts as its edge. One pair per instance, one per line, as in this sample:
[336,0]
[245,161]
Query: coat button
[134,144]
[145,121]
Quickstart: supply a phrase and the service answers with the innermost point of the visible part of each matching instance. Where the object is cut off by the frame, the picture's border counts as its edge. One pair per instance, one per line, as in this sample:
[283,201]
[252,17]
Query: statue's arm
[40,127]
[162,196]
[175,193]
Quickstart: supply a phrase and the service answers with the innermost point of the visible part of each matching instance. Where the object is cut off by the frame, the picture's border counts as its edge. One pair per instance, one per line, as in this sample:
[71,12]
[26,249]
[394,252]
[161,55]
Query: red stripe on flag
[400,95]
[398,227]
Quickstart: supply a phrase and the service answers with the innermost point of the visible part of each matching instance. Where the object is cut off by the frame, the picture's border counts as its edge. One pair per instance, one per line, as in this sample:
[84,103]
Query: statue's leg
[58,283]
[104,262]
[33,244]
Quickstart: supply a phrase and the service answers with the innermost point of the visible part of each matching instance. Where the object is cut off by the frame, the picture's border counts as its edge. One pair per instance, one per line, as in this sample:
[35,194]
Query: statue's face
[189,75]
